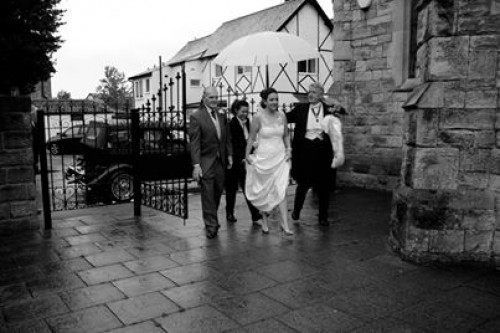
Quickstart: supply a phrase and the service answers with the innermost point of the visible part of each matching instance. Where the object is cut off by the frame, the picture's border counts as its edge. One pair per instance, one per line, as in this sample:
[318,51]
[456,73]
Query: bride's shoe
[265,224]
[287,232]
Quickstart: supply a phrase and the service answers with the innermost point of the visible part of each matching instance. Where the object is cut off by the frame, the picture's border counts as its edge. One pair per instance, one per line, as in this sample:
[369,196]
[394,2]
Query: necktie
[216,122]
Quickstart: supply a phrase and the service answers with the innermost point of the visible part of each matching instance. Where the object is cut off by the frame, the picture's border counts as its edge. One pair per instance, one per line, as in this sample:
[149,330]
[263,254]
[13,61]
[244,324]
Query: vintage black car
[67,142]
[107,162]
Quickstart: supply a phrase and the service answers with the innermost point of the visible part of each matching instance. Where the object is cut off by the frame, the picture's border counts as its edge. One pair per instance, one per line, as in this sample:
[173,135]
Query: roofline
[315,4]
[140,76]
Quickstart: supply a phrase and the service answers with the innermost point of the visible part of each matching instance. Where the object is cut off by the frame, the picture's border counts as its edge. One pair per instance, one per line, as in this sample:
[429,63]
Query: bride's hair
[264,94]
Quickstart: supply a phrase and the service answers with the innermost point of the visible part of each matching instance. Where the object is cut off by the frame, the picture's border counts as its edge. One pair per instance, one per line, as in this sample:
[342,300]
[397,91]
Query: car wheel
[54,149]
[122,186]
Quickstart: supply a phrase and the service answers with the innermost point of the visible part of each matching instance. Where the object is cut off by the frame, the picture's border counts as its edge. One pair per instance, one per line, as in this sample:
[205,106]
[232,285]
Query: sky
[131,35]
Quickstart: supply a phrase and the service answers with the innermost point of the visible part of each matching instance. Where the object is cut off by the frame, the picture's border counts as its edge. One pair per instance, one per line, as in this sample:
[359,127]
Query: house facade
[303,18]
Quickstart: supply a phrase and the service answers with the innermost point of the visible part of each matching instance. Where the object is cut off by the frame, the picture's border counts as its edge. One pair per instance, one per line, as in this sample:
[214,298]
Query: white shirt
[244,126]
[314,119]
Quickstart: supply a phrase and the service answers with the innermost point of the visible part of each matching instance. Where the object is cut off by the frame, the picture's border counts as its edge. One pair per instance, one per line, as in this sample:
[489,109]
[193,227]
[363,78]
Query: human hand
[288,154]
[197,174]
[338,161]
[248,160]
[229,162]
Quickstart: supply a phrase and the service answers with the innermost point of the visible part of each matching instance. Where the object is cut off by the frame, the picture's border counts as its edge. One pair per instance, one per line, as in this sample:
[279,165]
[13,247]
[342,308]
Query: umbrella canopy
[266,48]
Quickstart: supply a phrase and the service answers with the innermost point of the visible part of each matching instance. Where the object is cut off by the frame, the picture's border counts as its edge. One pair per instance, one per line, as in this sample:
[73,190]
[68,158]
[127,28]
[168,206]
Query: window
[307,66]
[243,69]
[147,86]
[138,89]
[218,70]
[195,82]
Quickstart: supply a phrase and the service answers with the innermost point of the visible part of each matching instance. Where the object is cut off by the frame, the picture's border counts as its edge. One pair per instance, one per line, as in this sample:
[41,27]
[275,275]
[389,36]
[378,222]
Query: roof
[270,19]
[147,73]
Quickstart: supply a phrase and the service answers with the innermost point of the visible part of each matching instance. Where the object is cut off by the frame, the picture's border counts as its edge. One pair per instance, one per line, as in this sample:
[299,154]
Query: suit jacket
[204,143]
[299,115]
[239,143]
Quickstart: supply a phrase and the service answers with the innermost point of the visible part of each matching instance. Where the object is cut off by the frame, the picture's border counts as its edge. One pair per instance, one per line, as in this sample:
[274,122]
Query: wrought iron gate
[91,154]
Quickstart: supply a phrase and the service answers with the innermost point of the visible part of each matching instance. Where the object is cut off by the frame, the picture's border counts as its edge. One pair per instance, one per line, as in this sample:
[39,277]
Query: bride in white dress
[268,168]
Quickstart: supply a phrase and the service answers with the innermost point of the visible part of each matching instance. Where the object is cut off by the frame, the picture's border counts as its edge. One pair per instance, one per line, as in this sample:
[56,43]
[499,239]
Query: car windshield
[72,131]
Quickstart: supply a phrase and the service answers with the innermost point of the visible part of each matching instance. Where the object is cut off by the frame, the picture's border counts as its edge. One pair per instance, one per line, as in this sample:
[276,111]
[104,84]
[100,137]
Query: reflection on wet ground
[100,270]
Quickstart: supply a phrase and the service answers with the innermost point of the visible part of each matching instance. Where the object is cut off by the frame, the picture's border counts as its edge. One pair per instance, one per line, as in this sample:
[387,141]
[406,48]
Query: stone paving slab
[102,270]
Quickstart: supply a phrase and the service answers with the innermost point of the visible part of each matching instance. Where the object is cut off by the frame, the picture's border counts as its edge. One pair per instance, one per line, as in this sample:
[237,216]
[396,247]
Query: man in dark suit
[239,127]
[311,152]
[211,153]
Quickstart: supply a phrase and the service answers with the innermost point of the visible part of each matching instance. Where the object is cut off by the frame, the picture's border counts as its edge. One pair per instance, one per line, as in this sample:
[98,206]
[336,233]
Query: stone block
[374,64]
[361,32]
[485,43]
[454,95]
[494,185]
[495,7]
[496,244]
[448,58]
[485,139]
[426,127]
[379,19]
[477,241]
[474,180]
[477,119]
[434,215]
[384,39]
[417,240]
[441,18]
[342,50]
[481,63]
[481,98]
[23,208]
[447,241]
[457,138]
[482,220]
[381,28]
[363,76]
[14,140]
[475,160]
[4,211]
[10,121]
[13,192]
[495,162]
[14,158]
[467,199]
[435,168]
[20,175]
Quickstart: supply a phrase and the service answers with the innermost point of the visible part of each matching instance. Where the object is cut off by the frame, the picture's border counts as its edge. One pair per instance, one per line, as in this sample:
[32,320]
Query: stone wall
[17,188]
[447,206]
[366,77]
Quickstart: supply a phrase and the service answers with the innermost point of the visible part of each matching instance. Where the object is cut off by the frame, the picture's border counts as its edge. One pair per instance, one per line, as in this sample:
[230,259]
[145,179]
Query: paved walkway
[99,270]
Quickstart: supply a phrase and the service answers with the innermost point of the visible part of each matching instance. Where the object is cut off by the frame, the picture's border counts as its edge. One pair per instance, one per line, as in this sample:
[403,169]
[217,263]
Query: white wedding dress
[268,175]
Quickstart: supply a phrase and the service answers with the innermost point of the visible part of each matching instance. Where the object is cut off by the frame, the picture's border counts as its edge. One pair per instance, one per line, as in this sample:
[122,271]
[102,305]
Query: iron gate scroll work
[163,165]
[93,154]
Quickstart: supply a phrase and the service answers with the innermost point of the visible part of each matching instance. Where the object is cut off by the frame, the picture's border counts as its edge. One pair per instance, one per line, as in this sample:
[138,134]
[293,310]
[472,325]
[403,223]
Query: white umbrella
[265,48]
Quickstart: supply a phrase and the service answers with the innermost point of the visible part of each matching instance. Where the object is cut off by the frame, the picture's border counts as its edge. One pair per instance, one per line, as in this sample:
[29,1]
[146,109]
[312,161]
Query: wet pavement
[100,270]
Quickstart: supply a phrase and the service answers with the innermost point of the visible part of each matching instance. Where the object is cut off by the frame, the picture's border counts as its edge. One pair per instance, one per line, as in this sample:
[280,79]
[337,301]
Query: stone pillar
[17,180]
[446,208]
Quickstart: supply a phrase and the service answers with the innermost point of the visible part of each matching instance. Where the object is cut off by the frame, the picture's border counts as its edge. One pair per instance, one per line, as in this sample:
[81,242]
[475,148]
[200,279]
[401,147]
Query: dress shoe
[212,232]
[295,216]
[323,222]
[230,218]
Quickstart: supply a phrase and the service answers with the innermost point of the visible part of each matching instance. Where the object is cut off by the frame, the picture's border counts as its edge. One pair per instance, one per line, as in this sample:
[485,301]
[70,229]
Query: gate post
[40,121]
[136,146]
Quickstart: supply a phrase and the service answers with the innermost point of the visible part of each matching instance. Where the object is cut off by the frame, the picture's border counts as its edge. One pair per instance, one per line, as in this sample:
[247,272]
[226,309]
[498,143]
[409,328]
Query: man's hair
[205,91]
[317,85]
[237,105]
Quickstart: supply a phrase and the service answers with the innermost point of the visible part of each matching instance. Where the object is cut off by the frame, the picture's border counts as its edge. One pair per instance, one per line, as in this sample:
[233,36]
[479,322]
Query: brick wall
[365,80]
[447,206]
[17,187]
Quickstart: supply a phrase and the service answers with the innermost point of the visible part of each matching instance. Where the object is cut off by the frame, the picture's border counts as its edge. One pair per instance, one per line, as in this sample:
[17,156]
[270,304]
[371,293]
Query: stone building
[421,81]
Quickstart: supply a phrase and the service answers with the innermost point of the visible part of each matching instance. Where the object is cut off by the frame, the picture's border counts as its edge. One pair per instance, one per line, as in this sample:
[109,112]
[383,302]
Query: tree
[114,89]
[63,95]
[27,42]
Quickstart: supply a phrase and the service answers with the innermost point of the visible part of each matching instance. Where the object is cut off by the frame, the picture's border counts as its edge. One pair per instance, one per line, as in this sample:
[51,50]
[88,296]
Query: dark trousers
[316,173]
[234,177]
[211,192]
